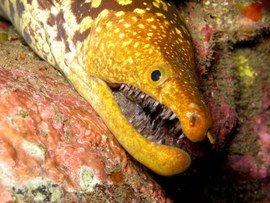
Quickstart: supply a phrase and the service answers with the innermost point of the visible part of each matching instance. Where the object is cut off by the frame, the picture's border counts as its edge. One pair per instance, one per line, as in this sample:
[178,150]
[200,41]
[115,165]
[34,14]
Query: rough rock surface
[232,43]
[53,146]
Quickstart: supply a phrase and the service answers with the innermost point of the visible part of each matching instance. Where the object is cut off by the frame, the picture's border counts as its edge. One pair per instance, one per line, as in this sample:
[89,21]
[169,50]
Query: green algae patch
[87,180]
[34,150]
[23,113]
[3,37]
[245,72]
[40,190]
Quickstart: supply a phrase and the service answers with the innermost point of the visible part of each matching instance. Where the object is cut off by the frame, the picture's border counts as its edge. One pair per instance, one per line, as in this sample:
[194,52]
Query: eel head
[149,97]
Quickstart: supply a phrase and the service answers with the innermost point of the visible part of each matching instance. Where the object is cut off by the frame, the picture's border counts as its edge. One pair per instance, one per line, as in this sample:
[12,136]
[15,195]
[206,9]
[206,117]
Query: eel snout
[189,107]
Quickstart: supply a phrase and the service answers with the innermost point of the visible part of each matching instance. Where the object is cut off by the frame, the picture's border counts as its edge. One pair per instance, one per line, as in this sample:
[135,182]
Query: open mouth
[150,118]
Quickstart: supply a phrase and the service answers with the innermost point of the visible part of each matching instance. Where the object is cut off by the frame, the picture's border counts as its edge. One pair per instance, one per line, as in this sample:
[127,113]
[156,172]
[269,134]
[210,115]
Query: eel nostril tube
[210,138]
[192,119]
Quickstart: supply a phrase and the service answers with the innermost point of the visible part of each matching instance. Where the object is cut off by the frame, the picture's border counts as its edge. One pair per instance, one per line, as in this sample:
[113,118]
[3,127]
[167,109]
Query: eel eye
[157,74]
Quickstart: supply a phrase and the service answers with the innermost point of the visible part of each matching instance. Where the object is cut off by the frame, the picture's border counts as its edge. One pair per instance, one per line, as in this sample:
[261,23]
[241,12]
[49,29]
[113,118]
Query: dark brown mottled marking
[29,1]
[113,5]
[26,36]
[51,20]
[45,4]
[80,9]
[61,31]
[62,34]
[80,36]
[20,8]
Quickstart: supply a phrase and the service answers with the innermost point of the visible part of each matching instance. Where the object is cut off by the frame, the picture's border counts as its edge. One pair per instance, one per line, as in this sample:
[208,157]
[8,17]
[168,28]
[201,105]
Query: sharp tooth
[172,130]
[159,133]
[168,114]
[152,125]
[161,141]
[122,87]
[150,103]
[172,117]
[138,110]
[132,119]
[163,111]
[151,138]
[177,129]
[137,93]
[154,131]
[126,89]
[141,128]
[134,90]
[181,136]
[145,101]
[137,123]
[130,93]
[155,104]
[142,95]
[148,125]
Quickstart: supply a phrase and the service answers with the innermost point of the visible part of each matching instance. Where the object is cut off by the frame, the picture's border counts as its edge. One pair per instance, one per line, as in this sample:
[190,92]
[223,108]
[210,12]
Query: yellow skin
[126,46]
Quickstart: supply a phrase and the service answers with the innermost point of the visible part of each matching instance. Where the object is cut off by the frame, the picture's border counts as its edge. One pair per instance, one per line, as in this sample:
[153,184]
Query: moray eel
[132,60]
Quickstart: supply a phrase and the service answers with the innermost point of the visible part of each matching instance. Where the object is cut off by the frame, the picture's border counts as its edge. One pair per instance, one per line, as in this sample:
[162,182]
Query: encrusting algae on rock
[245,71]
[54,147]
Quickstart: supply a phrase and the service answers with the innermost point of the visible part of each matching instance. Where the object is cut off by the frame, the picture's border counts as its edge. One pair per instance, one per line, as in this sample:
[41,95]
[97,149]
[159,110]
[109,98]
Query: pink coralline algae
[247,165]
[55,148]
[262,128]
[256,167]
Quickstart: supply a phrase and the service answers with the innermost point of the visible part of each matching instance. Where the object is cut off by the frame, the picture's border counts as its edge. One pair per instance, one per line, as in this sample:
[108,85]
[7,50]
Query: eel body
[141,46]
